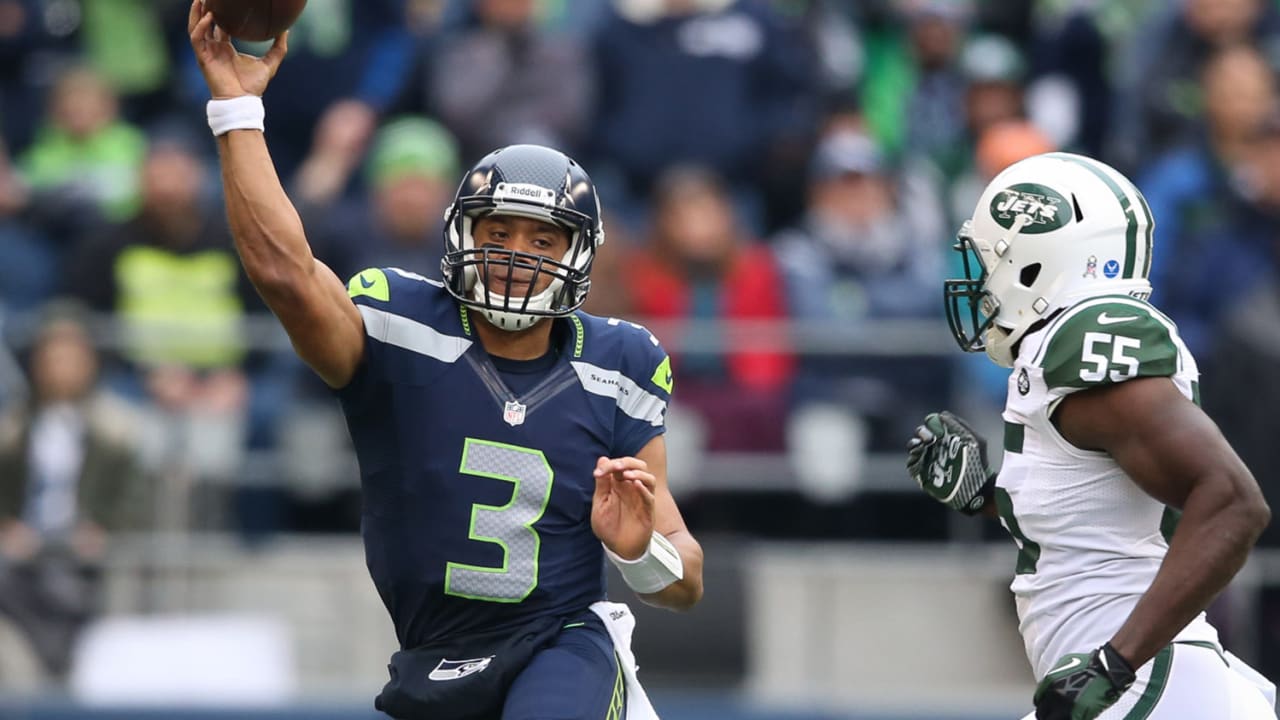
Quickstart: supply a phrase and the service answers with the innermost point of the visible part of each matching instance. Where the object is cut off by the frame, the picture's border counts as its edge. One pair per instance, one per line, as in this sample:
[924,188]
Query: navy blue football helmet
[527,181]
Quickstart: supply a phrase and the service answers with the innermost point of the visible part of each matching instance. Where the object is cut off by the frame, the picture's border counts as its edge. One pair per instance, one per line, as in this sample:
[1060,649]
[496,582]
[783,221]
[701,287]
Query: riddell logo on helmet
[524,192]
[1046,209]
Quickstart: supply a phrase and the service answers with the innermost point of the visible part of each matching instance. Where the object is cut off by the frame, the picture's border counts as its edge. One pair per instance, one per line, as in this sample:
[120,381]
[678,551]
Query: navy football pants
[576,678]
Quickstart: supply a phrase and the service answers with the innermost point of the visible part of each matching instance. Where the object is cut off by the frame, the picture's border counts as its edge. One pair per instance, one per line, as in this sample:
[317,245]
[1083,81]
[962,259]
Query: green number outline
[1028,550]
[477,507]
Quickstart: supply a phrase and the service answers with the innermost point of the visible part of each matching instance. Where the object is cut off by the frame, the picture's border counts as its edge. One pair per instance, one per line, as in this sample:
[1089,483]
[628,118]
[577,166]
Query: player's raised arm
[635,516]
[325,327]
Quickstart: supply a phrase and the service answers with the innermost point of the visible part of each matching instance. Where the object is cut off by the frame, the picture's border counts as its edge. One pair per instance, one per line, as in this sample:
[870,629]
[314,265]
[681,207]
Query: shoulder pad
[381,283]
[627,347]
[1108,340]
[370,283]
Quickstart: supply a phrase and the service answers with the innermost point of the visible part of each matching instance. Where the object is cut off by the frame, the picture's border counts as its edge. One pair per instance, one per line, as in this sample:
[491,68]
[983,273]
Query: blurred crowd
[777,175]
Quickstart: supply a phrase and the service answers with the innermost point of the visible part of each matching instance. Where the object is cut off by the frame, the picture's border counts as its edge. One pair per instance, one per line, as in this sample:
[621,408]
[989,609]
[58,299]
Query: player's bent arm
[323,324]
[687,591]
[1175,453]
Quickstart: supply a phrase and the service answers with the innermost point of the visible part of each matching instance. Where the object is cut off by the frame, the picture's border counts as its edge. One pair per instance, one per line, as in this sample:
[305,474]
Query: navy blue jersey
[477,499]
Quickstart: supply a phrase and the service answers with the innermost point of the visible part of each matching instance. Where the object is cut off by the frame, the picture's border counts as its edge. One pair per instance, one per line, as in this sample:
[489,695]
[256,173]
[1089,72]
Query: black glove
[1082,685]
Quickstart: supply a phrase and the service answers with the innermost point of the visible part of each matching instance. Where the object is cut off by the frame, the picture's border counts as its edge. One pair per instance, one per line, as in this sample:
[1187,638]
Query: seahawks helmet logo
[1046,209]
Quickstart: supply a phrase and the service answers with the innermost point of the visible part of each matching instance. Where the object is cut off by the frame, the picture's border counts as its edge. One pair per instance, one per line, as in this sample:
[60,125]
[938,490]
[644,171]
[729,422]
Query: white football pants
[1190,682]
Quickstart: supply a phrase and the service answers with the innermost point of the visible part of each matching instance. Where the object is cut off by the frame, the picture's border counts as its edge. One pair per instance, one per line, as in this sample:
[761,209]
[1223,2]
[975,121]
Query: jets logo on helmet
[1046,209]
[1036,225]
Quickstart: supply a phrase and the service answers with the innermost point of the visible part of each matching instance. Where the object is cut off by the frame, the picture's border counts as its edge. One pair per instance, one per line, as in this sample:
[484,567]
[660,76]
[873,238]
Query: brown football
[255,19]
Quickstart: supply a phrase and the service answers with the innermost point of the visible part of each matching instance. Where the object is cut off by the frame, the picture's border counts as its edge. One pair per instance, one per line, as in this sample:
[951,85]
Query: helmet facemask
[971,309]
[467,268]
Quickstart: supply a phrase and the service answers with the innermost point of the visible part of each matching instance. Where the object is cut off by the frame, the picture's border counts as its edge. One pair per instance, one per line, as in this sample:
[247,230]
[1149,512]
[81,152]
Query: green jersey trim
[1108,340]
[370,283]
[1014,436]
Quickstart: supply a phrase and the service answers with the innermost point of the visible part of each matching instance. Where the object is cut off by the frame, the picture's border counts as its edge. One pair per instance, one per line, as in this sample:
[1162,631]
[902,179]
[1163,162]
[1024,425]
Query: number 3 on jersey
[509,526]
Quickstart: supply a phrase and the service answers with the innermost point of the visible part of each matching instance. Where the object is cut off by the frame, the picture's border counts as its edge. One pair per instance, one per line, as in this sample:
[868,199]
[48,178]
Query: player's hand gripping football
[622,510]
[949,462]
[229,73]
[1082,685]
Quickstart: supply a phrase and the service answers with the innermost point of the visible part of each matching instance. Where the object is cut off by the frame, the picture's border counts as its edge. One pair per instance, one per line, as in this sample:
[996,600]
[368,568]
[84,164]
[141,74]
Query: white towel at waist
[620,622]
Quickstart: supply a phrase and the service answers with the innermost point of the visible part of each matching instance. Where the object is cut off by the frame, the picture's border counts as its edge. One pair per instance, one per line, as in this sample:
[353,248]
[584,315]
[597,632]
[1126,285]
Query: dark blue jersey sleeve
[401,310]
[644,392]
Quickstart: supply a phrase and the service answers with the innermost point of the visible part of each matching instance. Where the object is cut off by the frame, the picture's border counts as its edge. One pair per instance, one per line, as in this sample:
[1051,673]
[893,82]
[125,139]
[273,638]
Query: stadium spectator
[84,156]
[700,267]
[34,45]
[496,76]
[831,29]
[29,263]
[1071,53]
[1247,341]
[133,44]
[172,279]
[870,241]
[610,292]
[870,249]
[718,83]
[994,73]
[831,34]
[1195,191]
[1160,101]
[411,170]
[912,88]
[69,479]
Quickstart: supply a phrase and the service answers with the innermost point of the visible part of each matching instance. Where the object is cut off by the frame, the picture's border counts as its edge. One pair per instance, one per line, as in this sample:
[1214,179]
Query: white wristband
[237,113]
[658,567]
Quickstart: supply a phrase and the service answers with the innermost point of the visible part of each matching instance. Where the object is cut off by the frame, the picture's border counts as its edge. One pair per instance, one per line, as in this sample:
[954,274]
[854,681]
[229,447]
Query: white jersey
[1090,540]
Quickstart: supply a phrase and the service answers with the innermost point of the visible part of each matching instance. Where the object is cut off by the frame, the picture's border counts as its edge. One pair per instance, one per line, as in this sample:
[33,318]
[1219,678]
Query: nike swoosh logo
[1069,665]
[1105,319]
[366,284]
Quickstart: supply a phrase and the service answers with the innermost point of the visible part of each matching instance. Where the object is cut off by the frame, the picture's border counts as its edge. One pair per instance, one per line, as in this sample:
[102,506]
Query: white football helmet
[1049,231]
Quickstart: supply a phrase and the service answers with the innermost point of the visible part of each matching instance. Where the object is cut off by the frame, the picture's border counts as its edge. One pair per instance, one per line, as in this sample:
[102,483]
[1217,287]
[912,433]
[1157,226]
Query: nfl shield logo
[513,413]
